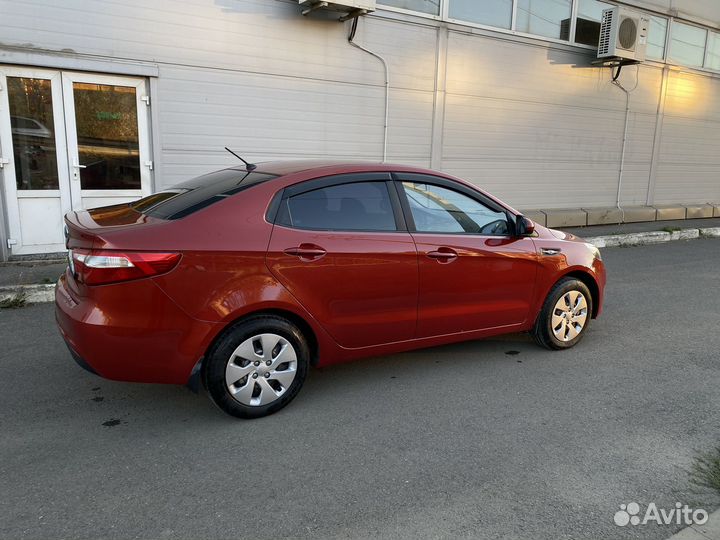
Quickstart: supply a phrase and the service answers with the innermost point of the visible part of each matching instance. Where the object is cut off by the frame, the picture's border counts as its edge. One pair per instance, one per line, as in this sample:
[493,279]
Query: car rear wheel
[565,315]
[257,367]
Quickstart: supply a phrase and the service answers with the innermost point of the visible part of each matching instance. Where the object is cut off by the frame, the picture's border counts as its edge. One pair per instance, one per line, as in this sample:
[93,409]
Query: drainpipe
[624,144]
[387,83]
[625,135]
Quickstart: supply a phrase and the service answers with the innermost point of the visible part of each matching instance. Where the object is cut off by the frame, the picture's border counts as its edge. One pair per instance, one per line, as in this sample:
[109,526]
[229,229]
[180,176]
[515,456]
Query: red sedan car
[244,278]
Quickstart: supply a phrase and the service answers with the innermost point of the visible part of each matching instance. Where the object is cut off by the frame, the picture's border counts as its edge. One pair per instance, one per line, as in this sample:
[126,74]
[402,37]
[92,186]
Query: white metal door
[108,142]
[33,159]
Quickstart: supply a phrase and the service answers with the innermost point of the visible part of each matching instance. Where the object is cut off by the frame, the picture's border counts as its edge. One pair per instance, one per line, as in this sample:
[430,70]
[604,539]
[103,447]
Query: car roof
[284,168]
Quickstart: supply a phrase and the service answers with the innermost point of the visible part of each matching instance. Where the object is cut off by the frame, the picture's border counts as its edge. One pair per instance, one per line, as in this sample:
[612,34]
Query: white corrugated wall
[528,120]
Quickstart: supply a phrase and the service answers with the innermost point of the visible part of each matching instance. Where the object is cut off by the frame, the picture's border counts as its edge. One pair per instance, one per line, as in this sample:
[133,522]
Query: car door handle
[550,251]
[443,255]
[308,252]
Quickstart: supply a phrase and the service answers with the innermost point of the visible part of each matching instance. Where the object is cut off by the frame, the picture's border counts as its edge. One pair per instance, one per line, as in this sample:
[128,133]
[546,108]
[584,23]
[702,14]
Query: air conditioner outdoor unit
[623,34]
[356,7]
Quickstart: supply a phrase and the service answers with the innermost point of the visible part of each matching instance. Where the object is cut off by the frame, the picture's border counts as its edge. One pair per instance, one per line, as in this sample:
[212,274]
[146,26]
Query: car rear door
[341,247]
[473,274]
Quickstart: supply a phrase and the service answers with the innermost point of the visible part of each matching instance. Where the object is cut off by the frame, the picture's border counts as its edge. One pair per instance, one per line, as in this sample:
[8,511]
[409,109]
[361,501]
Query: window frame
[571,29]
[669,47]
[438,17]
[510,29]
[707,49]
[276,216]
[666,43]
[446,183]
[444,16]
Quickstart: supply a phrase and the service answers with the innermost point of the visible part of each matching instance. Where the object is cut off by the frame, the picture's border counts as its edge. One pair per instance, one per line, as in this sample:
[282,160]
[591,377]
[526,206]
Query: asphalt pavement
[488,439]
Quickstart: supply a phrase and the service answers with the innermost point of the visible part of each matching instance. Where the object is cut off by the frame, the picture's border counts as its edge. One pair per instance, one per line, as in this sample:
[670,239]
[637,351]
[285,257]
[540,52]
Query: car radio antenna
[249,166]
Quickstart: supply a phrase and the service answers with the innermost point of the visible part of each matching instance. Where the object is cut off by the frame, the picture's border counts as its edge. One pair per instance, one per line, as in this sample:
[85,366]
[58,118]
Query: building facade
[104,101]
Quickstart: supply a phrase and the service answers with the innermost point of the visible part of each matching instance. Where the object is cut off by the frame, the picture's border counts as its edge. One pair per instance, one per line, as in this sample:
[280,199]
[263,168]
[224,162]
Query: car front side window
[436,209]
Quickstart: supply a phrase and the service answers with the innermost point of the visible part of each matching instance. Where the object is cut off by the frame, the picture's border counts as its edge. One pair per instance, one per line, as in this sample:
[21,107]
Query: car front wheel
[565,315]
[257,367]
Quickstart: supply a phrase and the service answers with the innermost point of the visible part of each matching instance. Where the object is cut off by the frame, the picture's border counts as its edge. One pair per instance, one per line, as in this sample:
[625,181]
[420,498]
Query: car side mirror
[524,226]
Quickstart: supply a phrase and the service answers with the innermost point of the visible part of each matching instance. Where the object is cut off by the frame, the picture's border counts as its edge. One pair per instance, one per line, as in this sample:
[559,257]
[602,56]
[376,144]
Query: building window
[587,25]
[656,38]
[712,60]
[543,17]
[496,13]
[687,44]
[432,7]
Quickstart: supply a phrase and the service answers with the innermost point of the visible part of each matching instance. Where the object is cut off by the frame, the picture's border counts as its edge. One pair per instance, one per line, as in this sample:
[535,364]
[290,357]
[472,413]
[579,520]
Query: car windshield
[188,197]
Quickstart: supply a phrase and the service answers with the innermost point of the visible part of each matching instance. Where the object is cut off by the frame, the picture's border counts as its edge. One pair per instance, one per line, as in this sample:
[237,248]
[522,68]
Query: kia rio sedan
[244,278]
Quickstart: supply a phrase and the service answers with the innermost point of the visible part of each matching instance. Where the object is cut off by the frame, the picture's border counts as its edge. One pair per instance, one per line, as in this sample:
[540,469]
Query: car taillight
[94,267]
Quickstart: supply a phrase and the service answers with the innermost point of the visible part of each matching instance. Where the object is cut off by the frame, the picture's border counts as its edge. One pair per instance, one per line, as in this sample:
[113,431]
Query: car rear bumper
[130,332]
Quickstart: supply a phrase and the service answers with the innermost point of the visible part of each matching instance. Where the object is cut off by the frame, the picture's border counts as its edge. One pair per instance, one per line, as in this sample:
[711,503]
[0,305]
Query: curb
[709,531]
[653,237]
[32,294]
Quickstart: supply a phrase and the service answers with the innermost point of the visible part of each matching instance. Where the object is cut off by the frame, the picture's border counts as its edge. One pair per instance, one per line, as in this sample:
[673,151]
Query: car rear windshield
[189,197]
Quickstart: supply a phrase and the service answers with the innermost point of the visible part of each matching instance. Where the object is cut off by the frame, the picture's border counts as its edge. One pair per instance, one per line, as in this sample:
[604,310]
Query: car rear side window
[189,197]
[359,206]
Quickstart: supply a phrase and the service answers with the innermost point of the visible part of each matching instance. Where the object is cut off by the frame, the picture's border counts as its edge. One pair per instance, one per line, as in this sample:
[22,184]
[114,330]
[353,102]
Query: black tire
[218,357]
[542,332]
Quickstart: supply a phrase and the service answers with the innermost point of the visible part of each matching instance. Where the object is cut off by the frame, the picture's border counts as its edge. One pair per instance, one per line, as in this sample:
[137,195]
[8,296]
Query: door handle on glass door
[77,167]
[307,252]
[443,255]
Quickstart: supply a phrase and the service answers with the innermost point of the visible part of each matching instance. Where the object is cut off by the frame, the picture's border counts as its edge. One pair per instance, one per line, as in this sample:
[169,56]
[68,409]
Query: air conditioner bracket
[614,62]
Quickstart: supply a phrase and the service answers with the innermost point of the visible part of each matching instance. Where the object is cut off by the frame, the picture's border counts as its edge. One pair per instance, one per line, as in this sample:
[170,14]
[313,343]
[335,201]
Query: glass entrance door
[107,136]
[33,157]
[68,141]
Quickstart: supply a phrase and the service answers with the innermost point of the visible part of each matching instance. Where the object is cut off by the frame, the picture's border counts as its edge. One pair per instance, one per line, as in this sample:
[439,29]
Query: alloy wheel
[261,369]
[569,316]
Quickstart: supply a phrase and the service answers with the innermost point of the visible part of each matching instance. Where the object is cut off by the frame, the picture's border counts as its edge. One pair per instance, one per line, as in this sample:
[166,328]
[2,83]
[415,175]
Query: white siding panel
[263,36]
[543,184]
[531,122]
[689,165]
[689,159]
[530,125]
[410,127]
[690,95]
[638,155]
[480,66]
[267,117]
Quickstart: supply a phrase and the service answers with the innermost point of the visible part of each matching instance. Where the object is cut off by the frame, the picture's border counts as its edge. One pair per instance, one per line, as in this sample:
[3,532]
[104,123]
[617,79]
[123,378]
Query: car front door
[474,274]
[341,247]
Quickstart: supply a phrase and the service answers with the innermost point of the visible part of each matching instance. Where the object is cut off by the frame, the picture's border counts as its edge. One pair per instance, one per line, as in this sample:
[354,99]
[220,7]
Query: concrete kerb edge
[653,237]
[32,294]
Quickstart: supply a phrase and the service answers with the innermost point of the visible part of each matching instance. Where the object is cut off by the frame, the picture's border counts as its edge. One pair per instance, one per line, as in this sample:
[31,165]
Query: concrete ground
[30,272]
[488,439]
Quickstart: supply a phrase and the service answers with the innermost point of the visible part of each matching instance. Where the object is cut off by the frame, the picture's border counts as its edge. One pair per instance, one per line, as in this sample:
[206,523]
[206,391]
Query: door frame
[144,141]
[8,172]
